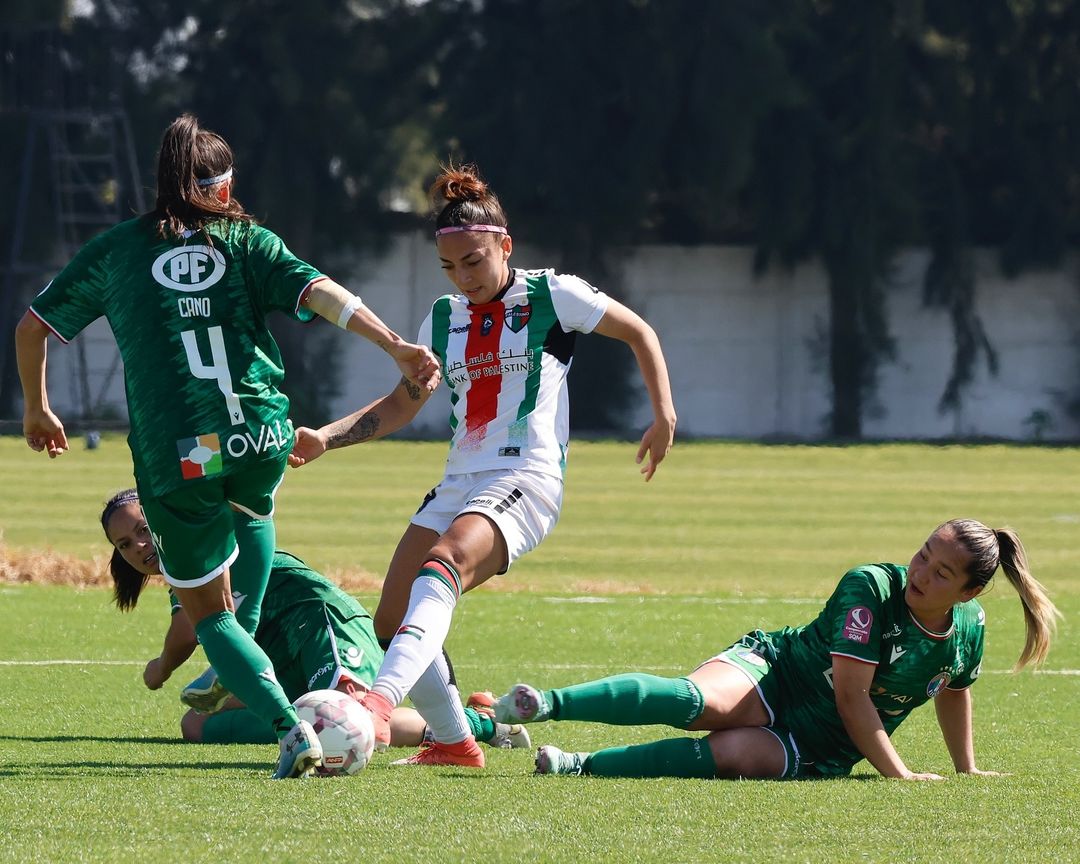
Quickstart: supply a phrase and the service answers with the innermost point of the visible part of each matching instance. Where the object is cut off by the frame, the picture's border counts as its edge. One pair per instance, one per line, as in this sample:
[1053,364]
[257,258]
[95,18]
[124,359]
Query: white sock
[419,640]
[439,703]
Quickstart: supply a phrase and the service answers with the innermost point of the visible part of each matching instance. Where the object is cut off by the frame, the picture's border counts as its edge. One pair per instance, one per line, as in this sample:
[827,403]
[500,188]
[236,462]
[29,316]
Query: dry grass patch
[53,568]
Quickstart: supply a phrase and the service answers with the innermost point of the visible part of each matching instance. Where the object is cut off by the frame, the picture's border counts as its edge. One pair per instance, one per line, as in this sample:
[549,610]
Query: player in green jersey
[316,635]
[506,340]
[186,289]
[812,701]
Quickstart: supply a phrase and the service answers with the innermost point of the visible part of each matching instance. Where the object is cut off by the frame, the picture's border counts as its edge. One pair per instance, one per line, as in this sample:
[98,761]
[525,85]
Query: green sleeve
[973,643]
[73,300]
[277,277]
[855,613]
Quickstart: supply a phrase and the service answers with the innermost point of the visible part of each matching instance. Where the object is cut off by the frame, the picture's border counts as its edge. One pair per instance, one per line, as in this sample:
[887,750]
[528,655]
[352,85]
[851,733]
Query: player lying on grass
[812,701]
[315,634]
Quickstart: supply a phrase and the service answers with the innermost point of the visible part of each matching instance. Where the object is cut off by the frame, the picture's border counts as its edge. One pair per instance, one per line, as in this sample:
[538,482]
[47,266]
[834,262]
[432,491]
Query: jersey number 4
[217,370]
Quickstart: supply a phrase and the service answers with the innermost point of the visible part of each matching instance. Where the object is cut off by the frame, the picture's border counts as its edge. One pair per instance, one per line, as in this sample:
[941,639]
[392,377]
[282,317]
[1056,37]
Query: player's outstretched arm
[336,304]
[42,428]
[374,421]
[622,323]
[953,709]
[179,645]
[852,680]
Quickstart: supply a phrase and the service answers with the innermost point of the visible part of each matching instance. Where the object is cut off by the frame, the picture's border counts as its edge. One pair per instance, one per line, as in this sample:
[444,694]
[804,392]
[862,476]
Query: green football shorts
[192,526]
[752,655]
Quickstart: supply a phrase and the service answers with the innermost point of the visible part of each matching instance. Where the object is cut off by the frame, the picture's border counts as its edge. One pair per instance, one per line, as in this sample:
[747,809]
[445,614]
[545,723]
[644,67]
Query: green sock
[629,700]
[482,726]
[250,572]
[236,727]
[674,757]
[242,667]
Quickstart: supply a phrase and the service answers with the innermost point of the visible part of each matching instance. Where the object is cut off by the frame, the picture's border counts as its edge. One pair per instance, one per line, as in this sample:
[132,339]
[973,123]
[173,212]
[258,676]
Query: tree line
[835,130]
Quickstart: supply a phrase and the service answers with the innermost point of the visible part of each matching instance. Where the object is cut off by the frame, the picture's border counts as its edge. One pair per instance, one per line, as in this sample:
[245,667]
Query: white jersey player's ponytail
[464,202]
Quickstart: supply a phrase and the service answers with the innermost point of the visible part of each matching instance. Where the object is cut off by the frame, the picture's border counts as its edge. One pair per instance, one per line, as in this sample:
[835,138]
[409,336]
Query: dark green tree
[605,124]
[833,180]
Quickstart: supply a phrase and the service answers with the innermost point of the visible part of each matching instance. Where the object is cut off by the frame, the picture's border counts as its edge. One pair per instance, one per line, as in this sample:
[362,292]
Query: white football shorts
[524,505]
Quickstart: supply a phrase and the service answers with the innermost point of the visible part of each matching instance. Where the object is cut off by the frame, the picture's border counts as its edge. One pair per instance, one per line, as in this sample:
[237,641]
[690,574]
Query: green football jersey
[868,620]
[293,615]
[201,369]
[293,608]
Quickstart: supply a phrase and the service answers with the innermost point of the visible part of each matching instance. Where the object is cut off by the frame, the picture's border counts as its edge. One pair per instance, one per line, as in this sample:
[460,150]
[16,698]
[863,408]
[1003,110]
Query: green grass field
[653,577]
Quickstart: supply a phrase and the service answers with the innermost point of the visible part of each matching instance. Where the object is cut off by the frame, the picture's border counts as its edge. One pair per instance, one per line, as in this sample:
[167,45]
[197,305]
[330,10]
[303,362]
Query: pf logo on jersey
[189,268]
[857,624]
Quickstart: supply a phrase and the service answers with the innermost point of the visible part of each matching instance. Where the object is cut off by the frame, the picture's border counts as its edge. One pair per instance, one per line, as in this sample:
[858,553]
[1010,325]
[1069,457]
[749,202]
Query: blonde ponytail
[992,548]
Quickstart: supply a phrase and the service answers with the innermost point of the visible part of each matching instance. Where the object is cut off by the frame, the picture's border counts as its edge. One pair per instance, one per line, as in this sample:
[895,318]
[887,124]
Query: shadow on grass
[66,770]
[103,739]
[56,770]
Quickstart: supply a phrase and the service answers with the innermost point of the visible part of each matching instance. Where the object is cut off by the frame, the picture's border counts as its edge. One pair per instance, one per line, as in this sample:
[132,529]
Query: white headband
[211,181]
[454,229]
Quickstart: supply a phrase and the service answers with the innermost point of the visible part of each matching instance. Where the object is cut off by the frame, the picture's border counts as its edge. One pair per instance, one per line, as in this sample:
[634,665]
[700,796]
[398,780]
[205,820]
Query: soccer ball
[344,729]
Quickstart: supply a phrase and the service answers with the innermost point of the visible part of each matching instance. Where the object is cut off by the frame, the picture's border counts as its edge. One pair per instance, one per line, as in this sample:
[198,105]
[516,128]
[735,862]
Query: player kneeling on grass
[316,636]
[812,701]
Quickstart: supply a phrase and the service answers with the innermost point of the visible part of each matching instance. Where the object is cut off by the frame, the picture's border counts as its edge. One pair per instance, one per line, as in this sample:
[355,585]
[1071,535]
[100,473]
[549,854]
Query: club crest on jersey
[938,683]
[189,268]
[857,624]
[199,456]
[486,323]
[518,316]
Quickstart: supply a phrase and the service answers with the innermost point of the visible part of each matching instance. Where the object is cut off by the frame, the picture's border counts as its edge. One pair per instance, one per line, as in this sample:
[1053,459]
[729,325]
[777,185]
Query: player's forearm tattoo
[362,429]
[412,389]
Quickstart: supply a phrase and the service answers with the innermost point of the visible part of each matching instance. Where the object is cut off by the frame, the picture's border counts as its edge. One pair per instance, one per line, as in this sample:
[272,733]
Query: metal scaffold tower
[84,135]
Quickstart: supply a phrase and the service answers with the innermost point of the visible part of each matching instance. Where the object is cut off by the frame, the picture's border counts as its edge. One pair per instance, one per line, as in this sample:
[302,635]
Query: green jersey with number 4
[868,620]
[201,369]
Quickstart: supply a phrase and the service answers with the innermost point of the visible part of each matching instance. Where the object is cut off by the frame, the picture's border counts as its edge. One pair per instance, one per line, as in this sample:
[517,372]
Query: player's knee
[449,553]
[191,726]
[751,753]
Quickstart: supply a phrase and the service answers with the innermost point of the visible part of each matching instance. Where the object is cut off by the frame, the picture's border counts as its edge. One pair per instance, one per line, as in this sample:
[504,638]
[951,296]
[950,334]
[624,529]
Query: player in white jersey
[505,342]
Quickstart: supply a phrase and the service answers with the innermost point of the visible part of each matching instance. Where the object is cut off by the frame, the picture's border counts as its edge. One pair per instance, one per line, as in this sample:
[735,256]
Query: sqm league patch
[857,624]
[199,456]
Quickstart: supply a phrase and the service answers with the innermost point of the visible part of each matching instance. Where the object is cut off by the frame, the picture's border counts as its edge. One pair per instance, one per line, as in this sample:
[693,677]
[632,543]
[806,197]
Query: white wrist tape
[347,312]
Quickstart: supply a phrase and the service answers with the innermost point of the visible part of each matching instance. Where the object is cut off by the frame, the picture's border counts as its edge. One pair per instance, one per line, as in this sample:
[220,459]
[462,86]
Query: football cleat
[380,708]
[482,702]
[301,752]
[523,704]
[510,737]
[466,754]
[552,760]
[205,694]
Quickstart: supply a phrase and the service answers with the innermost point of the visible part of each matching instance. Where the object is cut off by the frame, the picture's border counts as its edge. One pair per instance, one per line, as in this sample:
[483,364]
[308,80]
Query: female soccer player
[814,700]
[505,341]
[186,289]
[317,637]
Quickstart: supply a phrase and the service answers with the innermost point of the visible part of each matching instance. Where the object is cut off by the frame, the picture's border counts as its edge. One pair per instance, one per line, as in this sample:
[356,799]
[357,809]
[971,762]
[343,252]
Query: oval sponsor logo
[189,268]
[861,617]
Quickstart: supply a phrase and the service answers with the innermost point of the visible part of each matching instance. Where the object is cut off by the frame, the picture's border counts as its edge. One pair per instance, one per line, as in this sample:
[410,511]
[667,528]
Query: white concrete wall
[748,355]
